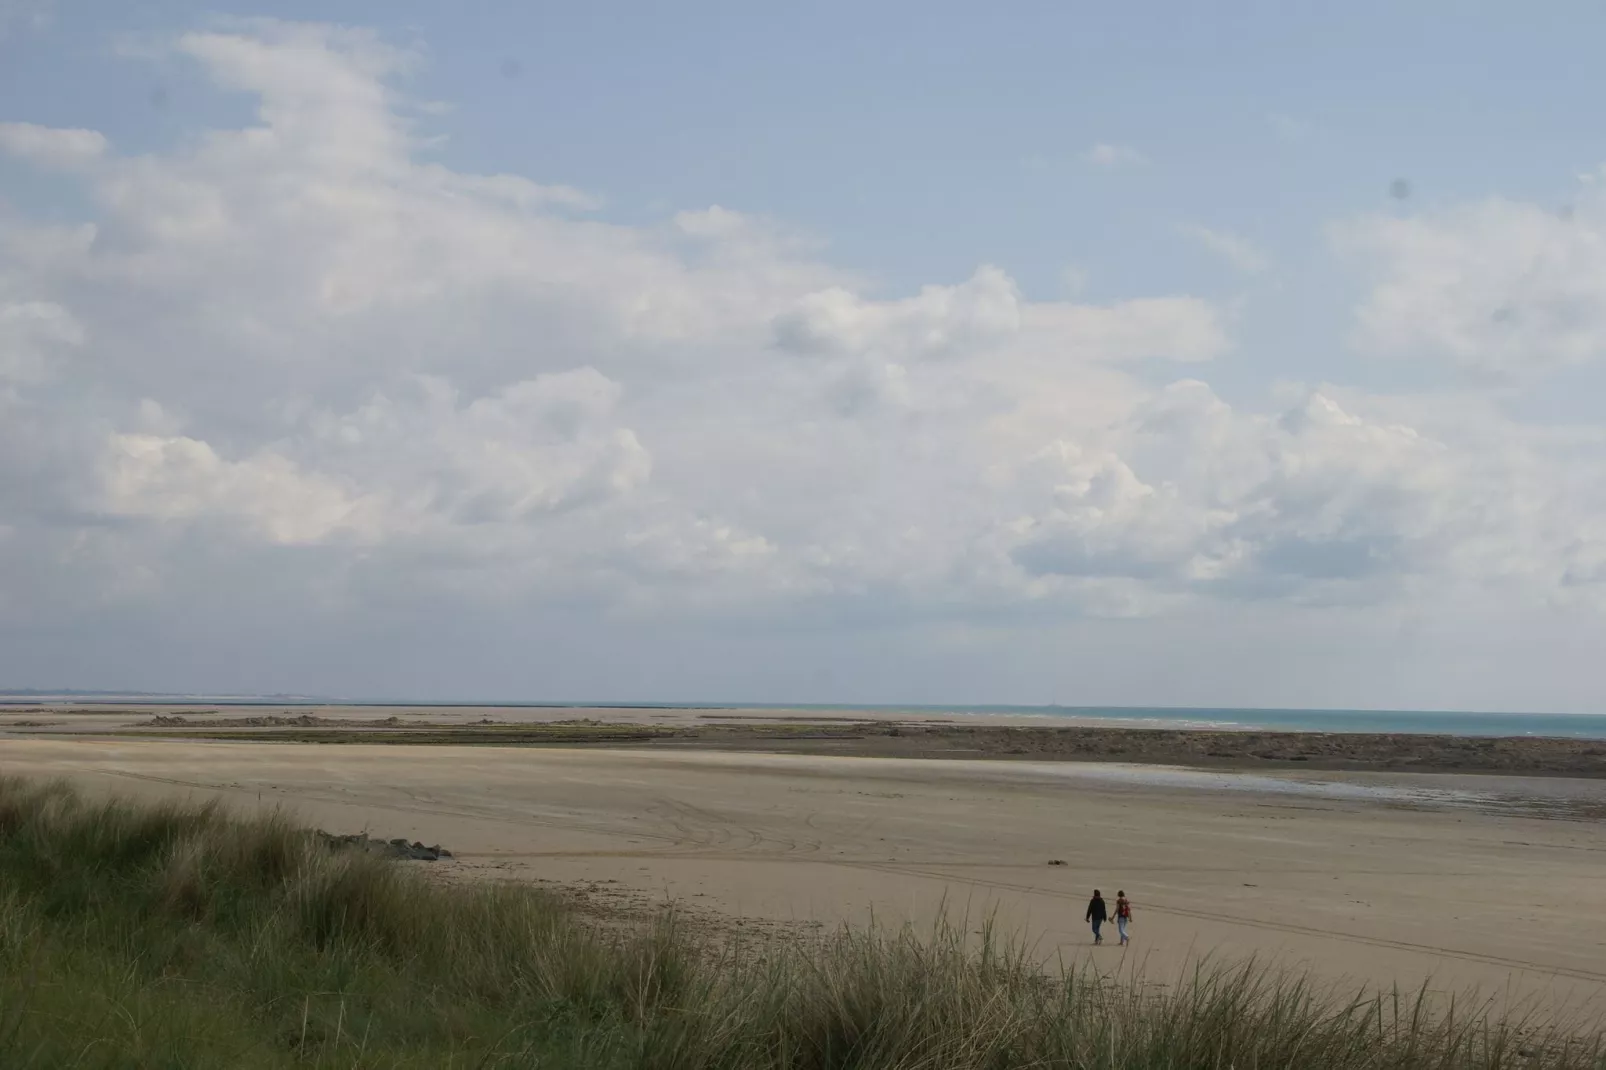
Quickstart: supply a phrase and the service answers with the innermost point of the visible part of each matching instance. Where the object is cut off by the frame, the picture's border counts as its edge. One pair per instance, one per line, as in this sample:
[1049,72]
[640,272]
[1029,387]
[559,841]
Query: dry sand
[1372,878]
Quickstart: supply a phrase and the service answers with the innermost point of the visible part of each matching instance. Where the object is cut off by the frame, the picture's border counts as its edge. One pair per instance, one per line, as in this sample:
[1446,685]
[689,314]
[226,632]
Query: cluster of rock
[269,720]
[397,848]
[178,720]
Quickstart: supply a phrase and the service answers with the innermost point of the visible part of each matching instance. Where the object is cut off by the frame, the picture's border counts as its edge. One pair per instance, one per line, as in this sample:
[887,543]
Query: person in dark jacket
[1097,914]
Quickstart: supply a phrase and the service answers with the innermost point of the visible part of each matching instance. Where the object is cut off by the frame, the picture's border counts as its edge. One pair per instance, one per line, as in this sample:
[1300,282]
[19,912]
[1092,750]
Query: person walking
[1097,914]
[1123,914]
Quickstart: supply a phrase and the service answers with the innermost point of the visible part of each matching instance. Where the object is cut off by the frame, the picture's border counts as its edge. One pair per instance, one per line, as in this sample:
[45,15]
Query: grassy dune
[179,936]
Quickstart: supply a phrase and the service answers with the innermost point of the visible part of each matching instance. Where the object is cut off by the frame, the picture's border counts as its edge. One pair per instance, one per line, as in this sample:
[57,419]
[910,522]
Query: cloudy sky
[897,352]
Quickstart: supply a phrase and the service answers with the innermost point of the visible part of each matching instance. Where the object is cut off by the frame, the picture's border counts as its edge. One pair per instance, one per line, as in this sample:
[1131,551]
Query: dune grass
[180,936]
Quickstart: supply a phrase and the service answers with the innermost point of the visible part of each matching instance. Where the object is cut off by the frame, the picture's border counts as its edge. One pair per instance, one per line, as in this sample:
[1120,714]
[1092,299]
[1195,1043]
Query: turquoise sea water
[1577,726]
[1573,725]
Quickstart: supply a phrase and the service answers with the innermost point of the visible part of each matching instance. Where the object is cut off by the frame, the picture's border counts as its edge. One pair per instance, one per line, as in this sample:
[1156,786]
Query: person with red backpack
[1123,914]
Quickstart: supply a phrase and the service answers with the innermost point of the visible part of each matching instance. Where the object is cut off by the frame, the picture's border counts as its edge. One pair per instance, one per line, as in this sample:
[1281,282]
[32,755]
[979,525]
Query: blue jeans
[1096,923]
[1120,927]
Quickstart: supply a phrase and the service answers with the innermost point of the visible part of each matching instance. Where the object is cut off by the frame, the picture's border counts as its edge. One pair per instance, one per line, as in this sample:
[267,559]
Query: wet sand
[1366,878]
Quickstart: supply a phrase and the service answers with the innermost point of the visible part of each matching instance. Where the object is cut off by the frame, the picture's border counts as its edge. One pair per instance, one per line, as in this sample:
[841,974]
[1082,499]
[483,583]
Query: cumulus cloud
[1246,504]
[534,446]
[1497,286]
[32,334]
[172,477]
[987,315]
[939,320]
[305,356]
[51,147]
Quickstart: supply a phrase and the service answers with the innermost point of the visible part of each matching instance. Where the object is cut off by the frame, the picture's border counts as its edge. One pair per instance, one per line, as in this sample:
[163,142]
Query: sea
[1431,722]
[1426,722]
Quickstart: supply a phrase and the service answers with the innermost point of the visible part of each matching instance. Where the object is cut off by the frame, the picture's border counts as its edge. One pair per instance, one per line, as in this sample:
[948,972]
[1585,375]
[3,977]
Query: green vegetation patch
[453,735]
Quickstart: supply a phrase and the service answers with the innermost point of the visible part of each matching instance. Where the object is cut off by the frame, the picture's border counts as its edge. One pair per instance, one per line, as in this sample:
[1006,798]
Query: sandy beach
[1376,878]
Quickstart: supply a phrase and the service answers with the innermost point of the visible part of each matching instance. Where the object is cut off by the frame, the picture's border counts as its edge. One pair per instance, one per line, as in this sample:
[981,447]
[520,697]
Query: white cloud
[986,313]
[1235,249]
[396,467]
[51,147]
[534,446]
[1105,154]
[1497,286]
[177,478]
[940,320]
[32,335]
[1316,502]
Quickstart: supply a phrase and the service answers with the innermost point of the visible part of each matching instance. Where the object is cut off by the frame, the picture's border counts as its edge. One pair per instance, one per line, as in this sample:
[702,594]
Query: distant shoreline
[863,735]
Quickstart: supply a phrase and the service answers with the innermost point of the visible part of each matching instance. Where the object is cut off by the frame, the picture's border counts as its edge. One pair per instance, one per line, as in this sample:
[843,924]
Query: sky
[875,353]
